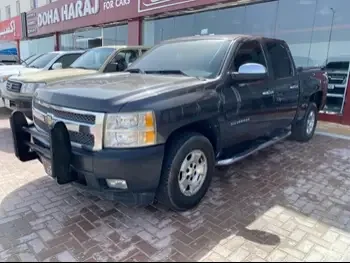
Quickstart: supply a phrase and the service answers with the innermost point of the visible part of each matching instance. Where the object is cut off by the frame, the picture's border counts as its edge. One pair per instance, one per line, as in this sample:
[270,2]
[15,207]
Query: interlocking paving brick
[287,203]
[239,255]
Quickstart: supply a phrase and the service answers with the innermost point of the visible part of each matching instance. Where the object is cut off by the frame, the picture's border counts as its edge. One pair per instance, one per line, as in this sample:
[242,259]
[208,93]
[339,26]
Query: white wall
[25,6]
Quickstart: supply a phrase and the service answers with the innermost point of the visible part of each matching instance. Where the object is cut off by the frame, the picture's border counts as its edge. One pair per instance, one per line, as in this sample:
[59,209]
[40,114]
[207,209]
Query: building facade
[12,8]
[317,31]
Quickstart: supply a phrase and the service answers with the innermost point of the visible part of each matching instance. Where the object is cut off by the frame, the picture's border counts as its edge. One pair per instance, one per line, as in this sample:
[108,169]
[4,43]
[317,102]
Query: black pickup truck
[159,130]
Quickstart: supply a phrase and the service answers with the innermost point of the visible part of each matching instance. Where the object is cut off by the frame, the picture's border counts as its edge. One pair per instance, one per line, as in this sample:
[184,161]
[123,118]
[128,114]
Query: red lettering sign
[11,29]
[64,15]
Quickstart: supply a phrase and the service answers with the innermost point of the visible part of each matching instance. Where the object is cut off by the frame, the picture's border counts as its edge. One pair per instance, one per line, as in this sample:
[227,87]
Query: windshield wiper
[135,70]
[168,71]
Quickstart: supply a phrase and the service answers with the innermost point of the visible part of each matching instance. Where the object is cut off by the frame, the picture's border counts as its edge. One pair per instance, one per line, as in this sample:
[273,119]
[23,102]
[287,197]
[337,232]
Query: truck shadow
[256,207]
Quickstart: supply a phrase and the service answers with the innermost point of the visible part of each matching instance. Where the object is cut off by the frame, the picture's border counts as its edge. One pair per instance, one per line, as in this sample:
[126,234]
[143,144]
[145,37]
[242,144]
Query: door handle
[268,92]
[294,87]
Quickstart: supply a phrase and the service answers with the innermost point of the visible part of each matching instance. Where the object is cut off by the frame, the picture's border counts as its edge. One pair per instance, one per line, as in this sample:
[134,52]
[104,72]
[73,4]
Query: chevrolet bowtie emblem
[48,119]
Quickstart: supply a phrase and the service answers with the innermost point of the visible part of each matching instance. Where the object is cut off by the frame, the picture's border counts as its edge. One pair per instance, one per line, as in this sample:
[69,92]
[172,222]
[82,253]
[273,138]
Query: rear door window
[280,59]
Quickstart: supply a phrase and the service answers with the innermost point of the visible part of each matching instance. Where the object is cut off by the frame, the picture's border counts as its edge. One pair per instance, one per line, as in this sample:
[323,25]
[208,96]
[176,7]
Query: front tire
[187,171]
[304,129]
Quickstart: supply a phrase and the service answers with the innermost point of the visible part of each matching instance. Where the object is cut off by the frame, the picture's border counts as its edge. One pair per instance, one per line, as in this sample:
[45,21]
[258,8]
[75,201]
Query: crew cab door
[248,105]
[285,82]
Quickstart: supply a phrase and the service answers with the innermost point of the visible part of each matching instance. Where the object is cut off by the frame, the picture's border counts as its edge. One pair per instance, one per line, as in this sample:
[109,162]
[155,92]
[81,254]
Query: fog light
[117,183]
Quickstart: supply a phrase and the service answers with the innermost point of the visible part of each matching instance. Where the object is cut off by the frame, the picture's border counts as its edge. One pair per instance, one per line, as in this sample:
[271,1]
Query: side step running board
[252,150]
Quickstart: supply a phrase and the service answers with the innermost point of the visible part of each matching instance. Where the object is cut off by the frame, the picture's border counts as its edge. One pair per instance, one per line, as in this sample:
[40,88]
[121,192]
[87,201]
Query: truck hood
[109,92]
[50,76]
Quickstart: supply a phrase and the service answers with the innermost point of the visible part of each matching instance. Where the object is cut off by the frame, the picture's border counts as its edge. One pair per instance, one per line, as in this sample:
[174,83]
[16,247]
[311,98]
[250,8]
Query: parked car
[9,70]
[23,64]
[19,91]
[47,61]
[338,71]
[38,63]
[159,130]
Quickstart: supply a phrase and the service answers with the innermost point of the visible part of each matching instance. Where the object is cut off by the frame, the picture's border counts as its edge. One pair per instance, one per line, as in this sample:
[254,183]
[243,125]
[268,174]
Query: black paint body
[225,110]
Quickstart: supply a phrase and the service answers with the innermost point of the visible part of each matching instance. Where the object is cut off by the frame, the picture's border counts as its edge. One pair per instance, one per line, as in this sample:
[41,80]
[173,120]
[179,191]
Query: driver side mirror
[250,72]
[57,65]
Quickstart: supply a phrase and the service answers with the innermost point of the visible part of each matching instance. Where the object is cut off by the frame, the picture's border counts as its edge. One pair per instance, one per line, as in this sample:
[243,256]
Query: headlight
[4,79]
[126,130]
[31,87]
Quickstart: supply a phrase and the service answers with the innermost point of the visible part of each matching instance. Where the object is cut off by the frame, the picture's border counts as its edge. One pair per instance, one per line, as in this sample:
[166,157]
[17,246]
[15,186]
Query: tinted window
[338,65]
[280,60]
[249,52]
[42,61]
[200,58]
[93,59]
[68,59]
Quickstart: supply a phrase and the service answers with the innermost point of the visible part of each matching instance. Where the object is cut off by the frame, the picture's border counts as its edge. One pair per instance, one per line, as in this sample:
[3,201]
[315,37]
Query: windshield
[42,60]
[93,59]
[338,65]
[30,59]
[196,58]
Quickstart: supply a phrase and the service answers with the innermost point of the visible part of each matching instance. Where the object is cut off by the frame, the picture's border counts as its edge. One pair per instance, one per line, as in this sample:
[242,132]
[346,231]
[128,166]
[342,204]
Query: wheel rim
[193,172]
[310,122]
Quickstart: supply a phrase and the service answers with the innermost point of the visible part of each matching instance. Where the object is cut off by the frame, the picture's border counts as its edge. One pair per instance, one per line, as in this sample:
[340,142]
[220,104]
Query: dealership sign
[77,9]
[65,15]
[11,29]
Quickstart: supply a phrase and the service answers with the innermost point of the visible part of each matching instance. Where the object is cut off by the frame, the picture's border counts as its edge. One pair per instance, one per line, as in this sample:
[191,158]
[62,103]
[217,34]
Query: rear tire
[303,130]
[187,171]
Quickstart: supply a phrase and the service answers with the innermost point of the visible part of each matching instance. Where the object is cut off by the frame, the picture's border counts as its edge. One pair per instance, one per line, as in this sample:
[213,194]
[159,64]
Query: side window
[280,60]
[129,55]
[249,52]
[67,60]
[123,59]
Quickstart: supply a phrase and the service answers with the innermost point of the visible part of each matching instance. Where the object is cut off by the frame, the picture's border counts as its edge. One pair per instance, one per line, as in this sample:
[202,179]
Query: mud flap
[20,137]
[61,154]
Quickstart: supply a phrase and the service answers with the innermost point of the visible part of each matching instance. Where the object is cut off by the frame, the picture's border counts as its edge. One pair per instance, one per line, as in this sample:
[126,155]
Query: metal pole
[312,35]
[330,34]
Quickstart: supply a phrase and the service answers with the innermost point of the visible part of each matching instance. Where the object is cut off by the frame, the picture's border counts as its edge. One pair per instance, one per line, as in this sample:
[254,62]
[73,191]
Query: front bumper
[18,102]
[140,168]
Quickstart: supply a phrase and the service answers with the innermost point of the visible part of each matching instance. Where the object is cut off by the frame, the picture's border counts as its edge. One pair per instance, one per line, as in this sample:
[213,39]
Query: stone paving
[287,203]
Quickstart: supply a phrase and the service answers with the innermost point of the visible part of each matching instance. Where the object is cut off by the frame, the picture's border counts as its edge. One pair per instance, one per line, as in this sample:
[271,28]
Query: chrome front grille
[13,86]
[85,128]
[75,137]
[72,116]
[337,78]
